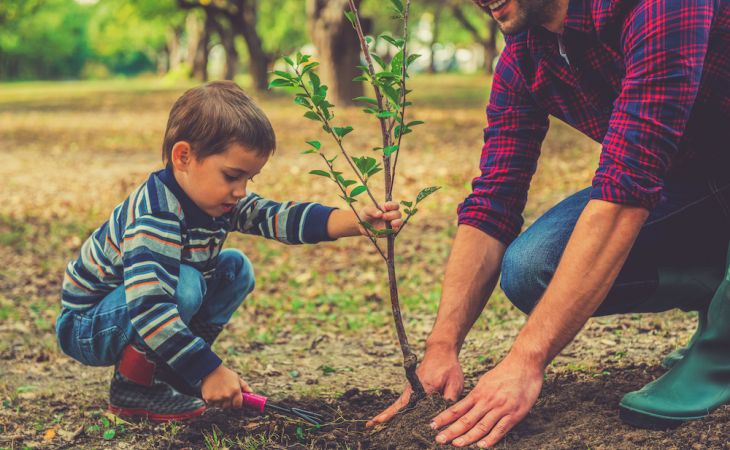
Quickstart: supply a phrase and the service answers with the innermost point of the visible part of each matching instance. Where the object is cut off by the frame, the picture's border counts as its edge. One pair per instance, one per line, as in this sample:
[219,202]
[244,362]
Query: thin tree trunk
[337,47]
[489,43]
[434,38]
[199,40]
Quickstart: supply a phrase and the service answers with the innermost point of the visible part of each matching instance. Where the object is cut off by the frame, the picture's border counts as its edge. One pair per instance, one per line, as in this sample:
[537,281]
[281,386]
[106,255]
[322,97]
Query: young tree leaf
[290,62]
[415,122]
[311,115]
[342,131]
[348,183]
[286,75]
[426,192]
[412,58]
[306,152]
[358,190]
[398,5]
[315,144]
[351,17]
[405,203]
[309,67]
[280,82]
[379,60]
[366,100]
[389,150]
[320,173]
[385,114]
[303,101]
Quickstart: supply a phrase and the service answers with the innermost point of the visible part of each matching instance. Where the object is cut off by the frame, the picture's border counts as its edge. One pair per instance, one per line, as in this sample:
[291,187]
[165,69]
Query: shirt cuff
[616,193]
[315,225]
[198,365]
[491,229]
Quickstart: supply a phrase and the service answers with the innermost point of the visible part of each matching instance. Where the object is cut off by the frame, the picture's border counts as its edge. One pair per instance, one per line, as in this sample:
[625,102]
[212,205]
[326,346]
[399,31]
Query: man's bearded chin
[526,13]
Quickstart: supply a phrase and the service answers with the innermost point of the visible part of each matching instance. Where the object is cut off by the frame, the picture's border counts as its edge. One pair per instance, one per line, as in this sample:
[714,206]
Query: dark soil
[574,411]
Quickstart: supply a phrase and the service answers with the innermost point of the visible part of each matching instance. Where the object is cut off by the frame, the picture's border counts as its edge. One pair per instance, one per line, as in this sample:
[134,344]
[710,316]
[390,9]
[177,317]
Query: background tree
[338,48]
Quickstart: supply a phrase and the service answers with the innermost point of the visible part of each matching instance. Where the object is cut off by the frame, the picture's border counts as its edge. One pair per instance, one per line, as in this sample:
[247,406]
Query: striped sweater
[145,240]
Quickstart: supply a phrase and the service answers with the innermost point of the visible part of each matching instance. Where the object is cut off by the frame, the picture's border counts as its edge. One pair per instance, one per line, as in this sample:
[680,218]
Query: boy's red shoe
[136,392]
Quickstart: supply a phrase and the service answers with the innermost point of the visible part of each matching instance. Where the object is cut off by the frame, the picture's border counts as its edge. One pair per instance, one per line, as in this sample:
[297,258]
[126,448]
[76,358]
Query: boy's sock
[136,391]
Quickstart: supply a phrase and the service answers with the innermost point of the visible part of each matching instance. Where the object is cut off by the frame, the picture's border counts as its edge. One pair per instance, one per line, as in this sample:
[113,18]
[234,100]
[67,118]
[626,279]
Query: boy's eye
[229,177]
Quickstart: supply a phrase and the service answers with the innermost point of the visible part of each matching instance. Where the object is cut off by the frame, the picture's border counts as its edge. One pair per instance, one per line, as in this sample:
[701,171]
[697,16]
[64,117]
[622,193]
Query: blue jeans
[688,231]
[97,336]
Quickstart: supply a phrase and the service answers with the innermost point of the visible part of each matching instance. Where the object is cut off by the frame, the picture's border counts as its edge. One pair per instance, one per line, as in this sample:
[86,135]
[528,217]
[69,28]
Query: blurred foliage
[61,39]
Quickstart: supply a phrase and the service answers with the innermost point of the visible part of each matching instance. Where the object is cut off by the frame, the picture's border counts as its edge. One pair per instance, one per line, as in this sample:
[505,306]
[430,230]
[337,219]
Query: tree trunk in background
[173,48]
[489,43]
[258,58]
[228,41]
[338,48]
[198,45]
[434,37]
[490,47]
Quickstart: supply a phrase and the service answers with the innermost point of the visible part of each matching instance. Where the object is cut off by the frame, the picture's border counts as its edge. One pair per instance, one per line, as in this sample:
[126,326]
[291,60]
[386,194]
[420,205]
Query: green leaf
[385,114]
[366,100]
[368,226]
[320,173]
[412,58]
[351,17]
[315,81]
[395,41]
[358,190]
[348,183]
[315,144]
[398,5]
[361,78]
[283,74]
[392,94]
[342,131]
[369,40]
[311,115]
[105,422]
[280,82]
[389,150]
[405,203]
[426,192]
[374,170]
[415,122]
[349,200]
[379,60]
[110,434]
[303,101]
[306,152]
[289,61]
[309,67]
[396,64]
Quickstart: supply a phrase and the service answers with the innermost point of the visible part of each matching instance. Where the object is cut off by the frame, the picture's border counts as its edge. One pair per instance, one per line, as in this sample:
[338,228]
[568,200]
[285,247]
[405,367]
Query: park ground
[317,330]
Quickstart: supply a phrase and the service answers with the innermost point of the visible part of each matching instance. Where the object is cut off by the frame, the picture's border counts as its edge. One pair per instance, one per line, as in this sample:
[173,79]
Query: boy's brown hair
[215,115]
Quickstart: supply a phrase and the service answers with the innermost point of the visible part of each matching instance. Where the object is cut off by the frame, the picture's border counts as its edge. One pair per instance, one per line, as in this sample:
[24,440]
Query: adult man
[650,80]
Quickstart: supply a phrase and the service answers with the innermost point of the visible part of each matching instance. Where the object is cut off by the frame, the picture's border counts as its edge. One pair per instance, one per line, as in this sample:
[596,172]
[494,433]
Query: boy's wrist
[342,224]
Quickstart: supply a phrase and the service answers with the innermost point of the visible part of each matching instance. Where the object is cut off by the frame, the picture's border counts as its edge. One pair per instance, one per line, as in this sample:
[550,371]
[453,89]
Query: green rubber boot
[689,289]
[697,384]
[674,357]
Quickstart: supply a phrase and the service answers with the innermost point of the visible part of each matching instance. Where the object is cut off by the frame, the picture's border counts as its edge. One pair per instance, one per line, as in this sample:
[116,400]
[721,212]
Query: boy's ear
[181,155]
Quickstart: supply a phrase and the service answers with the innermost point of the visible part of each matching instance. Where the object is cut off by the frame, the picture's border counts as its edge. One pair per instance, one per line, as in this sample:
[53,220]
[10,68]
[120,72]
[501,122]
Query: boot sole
[650,421]
[155,417]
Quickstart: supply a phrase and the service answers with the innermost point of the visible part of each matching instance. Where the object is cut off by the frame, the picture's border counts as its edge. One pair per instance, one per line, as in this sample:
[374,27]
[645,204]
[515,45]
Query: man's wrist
[442,344]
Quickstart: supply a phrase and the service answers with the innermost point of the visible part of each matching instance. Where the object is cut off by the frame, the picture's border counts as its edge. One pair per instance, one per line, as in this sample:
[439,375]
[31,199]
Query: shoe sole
[155,417]
[650,421]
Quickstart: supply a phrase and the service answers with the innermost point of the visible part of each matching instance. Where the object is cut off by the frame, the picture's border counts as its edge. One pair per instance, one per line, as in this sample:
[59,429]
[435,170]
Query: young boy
[152,287]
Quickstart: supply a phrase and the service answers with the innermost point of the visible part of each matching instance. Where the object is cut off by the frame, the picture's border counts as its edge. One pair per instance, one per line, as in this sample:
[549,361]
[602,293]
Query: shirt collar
[194,216]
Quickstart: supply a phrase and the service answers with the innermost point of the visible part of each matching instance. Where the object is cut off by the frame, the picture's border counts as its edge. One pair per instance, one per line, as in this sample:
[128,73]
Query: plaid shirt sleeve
[512,140]
[664,45]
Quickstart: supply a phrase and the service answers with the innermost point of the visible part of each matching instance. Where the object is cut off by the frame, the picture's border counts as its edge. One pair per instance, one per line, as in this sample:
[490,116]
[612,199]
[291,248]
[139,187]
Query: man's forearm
[471,274]
[596,251]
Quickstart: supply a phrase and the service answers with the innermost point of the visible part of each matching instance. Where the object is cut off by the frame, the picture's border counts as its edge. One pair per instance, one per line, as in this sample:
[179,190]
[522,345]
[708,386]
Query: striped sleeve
[151,253]
[289,223]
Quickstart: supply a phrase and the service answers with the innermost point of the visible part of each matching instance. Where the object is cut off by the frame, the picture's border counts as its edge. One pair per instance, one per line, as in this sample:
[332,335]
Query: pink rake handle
[254,401]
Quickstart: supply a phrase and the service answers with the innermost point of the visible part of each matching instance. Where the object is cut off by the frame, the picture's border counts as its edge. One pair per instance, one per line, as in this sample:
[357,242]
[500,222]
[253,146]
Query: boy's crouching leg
[135,391]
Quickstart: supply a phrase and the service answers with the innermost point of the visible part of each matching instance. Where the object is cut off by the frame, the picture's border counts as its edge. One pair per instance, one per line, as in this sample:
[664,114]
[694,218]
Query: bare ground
[317,331]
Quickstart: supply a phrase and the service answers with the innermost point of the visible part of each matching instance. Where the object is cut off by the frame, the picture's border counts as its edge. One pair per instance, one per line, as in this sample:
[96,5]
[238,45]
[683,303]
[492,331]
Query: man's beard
[528,13]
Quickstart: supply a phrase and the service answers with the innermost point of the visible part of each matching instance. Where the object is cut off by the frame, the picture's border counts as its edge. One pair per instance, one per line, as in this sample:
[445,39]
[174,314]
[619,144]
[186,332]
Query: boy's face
[216,182]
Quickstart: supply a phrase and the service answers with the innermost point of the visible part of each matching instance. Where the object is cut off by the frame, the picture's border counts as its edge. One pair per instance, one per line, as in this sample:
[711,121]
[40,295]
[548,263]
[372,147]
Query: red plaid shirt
[648,79]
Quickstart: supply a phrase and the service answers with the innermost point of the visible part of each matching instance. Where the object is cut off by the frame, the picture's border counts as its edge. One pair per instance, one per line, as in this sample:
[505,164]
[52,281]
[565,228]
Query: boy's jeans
[687,232]
[97,336]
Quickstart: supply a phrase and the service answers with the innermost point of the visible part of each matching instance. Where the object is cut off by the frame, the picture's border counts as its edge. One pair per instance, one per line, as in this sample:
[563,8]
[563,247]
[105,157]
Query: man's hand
[222,388]
[500,400]
[439,372]
[378,219]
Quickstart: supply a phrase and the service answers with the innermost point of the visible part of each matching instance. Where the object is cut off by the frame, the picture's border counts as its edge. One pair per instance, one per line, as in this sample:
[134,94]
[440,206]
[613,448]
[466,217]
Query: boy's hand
[378,219]
[222,388]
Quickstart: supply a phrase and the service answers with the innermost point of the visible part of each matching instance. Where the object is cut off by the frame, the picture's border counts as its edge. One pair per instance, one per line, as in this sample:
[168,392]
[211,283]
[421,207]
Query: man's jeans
[688,232]
[97,336]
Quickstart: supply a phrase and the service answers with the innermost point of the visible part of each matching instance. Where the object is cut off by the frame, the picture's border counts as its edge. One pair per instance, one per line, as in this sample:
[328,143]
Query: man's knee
[526,271]
[190,292]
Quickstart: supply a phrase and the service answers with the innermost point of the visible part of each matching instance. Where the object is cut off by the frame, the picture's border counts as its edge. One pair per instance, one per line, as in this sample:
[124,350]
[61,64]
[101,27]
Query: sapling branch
[325,120]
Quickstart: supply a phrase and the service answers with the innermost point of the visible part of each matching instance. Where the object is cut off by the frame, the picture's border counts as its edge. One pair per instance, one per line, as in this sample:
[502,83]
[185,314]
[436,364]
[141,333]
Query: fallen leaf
[50,434]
